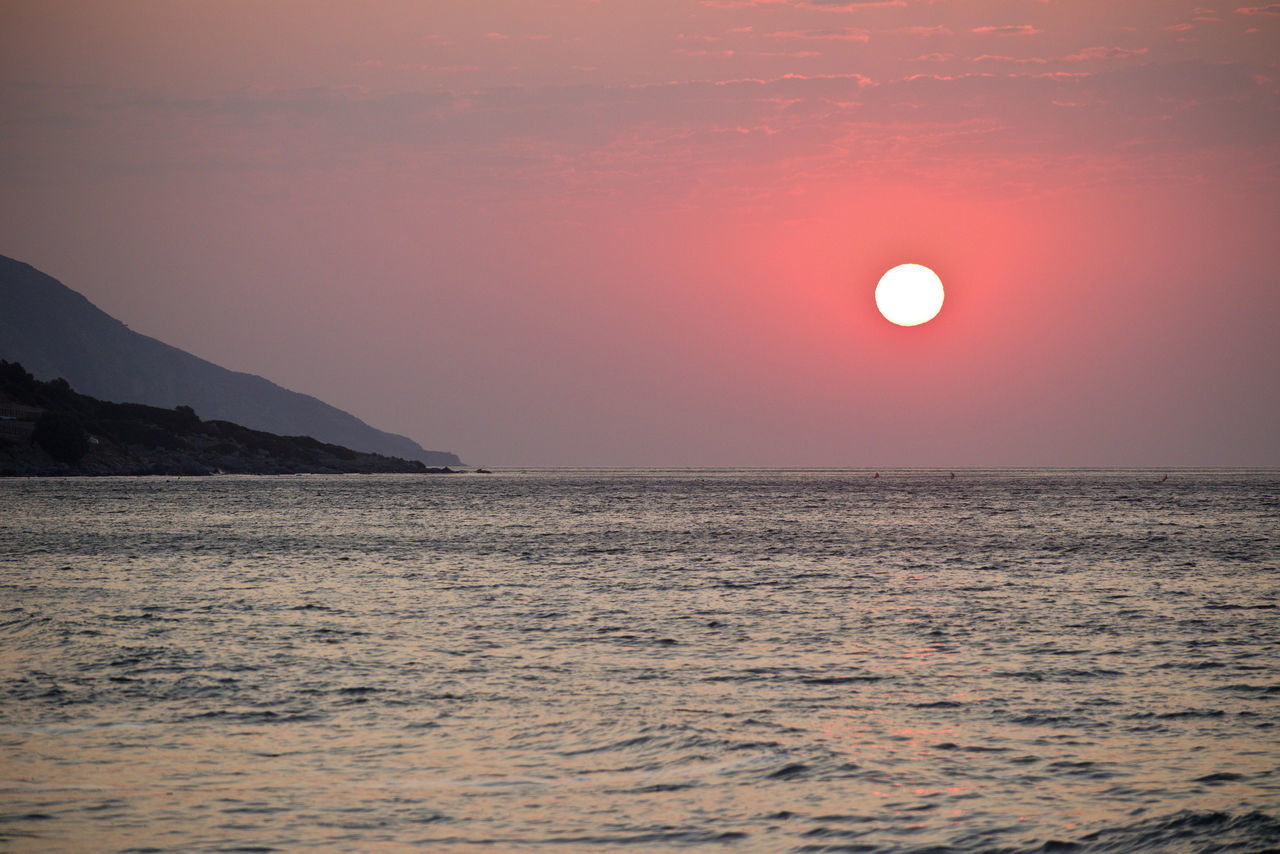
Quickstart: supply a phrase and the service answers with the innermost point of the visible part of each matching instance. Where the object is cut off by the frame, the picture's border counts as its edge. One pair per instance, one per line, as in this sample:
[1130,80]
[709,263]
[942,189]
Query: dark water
[736,661]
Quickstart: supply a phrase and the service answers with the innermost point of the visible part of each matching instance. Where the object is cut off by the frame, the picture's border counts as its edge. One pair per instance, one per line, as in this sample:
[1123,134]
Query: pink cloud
[821,5]
[438,69]
[860,80]
[850,34]
[923,31]
[718,54]
[1104,53]
[1269,9]
[1008,30]
[986,57]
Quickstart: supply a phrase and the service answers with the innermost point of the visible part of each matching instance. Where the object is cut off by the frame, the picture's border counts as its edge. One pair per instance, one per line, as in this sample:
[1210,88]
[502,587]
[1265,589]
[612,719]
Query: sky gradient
[648,232]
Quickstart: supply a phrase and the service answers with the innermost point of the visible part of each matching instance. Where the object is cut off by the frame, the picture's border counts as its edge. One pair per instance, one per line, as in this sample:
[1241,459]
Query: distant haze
[648,233]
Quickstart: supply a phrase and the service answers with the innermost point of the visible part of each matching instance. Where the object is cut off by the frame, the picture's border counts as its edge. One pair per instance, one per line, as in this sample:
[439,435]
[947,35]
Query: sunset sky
[647,232]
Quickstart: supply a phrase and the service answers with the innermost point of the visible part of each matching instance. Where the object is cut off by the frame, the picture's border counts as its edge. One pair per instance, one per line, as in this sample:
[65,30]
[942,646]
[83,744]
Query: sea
[642,660]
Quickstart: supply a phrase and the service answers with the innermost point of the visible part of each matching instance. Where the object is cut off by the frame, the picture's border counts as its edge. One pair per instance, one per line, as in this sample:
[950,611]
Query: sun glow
[909,295]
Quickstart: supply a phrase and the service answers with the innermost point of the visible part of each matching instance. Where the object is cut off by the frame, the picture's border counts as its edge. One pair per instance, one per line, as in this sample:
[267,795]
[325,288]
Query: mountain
[46,428]
[55,332]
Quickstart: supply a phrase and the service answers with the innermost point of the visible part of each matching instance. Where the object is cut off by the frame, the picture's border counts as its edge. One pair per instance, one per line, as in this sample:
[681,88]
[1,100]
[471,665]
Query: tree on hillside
[62,436]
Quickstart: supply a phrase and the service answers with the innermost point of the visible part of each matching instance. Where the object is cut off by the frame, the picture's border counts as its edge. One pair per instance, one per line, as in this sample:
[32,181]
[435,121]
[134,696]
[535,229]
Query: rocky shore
[48,429]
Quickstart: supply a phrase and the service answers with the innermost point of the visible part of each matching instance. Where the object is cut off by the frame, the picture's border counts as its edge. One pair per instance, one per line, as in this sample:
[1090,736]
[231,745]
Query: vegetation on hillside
[78,434]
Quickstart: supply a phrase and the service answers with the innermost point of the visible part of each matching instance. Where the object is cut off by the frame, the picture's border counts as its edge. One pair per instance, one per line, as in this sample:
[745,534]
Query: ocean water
[657,660]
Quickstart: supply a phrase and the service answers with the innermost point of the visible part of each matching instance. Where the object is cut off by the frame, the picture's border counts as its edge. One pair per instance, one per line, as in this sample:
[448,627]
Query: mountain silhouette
[55,332]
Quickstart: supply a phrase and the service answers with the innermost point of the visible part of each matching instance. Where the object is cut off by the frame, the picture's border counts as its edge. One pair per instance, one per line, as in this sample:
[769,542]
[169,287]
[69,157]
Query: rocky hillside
[47,428]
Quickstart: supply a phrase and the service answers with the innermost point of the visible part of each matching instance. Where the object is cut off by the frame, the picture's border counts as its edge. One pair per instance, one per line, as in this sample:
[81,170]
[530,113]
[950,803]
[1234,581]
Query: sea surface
[583,661]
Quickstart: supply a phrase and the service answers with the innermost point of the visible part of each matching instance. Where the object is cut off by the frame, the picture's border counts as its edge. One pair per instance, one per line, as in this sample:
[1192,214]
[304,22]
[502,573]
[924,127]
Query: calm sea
[656,660]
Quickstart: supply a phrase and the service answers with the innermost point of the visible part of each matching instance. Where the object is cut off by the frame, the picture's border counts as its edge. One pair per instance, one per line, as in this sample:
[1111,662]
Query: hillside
[46,428]
[56,332]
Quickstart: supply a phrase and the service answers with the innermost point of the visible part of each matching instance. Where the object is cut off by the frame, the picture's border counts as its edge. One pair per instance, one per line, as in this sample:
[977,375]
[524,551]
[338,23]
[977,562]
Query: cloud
[1029,60]
[845,5]
[844,34]
[922,31]
[602,138]
[1091,53]
[437,69]
[718,54]
[1008,30]
[822,5]
[843,81]
[1270,9]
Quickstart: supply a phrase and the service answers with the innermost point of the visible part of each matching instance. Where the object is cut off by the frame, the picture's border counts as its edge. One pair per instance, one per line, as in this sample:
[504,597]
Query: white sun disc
[909,294]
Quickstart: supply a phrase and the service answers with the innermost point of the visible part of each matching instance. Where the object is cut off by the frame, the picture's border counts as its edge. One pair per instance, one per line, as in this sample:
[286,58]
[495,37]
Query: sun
[909,294]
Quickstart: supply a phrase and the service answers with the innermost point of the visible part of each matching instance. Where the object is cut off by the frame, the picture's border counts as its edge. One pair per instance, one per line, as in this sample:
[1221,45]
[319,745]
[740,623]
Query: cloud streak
[818,5]
[1008,30]
[1090,54]
[509,137]
[849,34]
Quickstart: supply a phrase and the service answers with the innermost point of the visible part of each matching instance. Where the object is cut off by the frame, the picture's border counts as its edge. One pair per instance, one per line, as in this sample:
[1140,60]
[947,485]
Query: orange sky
[647,232]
